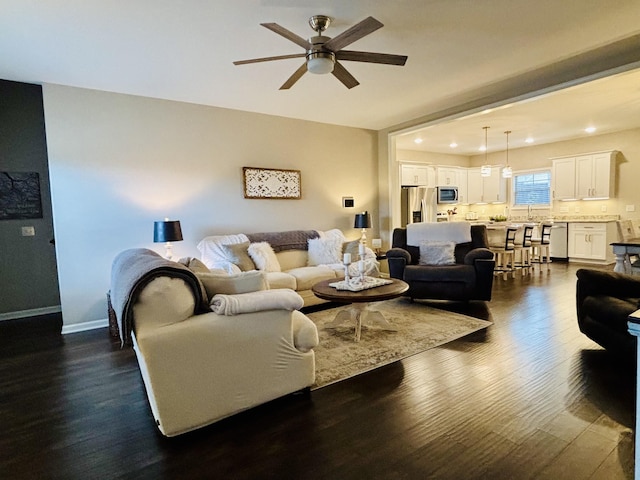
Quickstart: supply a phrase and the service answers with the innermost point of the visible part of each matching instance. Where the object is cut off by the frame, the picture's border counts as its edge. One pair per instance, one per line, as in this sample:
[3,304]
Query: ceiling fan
[322,53]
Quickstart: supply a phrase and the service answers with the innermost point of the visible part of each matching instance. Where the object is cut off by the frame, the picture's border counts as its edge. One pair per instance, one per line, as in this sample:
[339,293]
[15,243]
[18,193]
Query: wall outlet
[564,209]
[28,231]
[603,208]
[630,208]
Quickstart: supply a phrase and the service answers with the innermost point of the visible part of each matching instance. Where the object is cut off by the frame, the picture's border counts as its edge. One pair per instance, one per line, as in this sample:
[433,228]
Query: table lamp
[167,231]
[363,221]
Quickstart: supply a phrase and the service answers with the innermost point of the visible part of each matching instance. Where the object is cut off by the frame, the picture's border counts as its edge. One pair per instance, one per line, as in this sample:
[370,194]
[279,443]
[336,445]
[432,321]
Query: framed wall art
[271,183]
[20,195]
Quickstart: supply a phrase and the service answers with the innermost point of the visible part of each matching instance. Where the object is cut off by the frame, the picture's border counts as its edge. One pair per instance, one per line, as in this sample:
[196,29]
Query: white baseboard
[84,326]
[34,312]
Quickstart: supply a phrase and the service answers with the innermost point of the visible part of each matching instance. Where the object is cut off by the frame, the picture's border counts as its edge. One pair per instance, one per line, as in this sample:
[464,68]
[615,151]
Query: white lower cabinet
[589,242]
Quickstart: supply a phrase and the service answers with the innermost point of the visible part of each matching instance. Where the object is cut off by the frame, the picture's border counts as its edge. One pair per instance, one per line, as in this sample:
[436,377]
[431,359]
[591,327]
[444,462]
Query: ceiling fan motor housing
[320,60]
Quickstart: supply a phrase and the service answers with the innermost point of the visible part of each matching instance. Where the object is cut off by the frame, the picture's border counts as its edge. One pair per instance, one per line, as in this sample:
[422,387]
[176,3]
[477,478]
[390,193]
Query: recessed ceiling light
[418,140]
[528,140]
[482,148]
[453,144]
[590,129]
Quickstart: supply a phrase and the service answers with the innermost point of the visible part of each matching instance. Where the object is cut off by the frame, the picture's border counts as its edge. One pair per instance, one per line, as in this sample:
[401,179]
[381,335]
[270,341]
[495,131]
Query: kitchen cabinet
[584,177]
[448,176]
[564,178]
[463,196]
[454,177]
[589,242]
[491,189]
[595,175]
[422,175]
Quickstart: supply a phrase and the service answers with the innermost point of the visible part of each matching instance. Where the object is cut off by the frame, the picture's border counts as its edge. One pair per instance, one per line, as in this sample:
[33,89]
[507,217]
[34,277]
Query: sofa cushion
[264,257]
[324,251]
[237,253]
[610,311]
[437,253]
[281,280]
[243,282]
[290,259]
[306,277]
[445,273]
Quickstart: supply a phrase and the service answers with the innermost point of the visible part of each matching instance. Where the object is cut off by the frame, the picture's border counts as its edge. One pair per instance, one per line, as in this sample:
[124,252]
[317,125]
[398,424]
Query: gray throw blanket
[280,241]
[132,270]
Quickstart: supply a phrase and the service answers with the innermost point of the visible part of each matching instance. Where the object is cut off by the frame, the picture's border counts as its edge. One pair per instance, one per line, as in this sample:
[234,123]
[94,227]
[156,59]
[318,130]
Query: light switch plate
[630,208]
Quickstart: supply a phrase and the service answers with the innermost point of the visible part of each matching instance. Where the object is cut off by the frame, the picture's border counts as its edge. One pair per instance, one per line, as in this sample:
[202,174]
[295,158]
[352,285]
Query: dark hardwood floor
[530,397]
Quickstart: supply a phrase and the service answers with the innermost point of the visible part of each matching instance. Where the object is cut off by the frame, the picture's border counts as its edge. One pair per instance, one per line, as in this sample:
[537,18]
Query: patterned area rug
[419,328]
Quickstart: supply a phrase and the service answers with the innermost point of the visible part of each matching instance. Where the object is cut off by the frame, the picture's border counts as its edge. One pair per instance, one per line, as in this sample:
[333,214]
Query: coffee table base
[357,314]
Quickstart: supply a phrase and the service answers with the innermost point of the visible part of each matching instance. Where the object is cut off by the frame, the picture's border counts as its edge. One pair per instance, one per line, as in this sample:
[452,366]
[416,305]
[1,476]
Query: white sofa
[294,267]
[198,367]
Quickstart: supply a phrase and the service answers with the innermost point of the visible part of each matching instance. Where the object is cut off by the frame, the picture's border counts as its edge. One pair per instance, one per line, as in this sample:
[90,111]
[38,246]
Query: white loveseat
[302,258]
[198,366]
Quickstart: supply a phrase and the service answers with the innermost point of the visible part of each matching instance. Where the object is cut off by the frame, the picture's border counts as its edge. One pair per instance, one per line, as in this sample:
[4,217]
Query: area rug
[420,328]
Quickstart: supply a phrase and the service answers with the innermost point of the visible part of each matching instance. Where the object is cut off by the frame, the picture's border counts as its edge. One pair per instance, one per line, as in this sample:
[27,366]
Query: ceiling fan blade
[268,59]
[369,57]
[289,35]
[295,77]
[345,77]
[359,30]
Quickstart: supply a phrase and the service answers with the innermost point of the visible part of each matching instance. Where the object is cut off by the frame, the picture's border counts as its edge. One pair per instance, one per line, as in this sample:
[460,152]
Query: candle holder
[346,270]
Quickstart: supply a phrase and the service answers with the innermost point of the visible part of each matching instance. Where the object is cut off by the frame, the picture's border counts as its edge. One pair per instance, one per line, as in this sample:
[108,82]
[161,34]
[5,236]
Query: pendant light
[506,171]
[485,170]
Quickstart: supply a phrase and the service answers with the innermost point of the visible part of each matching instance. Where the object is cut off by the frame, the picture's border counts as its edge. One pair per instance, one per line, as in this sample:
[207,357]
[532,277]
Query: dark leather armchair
[604,301]
[471,278]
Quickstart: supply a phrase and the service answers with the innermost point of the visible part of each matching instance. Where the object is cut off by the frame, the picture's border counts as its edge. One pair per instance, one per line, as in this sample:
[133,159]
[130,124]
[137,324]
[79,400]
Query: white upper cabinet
[448,176]
[595,175]
[423,175]
[564,178]
[463,195]
[584,177]
[491,189]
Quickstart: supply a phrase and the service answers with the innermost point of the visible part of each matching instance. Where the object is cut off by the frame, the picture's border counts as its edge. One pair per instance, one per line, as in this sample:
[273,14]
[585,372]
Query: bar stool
[525,250]
[541,246]
[505,254]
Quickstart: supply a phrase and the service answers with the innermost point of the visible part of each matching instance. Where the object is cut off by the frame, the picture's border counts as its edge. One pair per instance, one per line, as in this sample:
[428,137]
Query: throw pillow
[324,251]
[264,257]
[237,254]
[351,247]
[196,265]
[226,284]
[437,253]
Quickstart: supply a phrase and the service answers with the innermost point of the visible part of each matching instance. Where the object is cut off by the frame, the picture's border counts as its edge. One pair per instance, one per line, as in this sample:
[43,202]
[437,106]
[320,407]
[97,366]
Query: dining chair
[541,246]
[505,253]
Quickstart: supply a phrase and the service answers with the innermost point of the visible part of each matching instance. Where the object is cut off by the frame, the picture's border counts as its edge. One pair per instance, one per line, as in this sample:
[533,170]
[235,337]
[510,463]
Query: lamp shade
[167,231]
[363,220]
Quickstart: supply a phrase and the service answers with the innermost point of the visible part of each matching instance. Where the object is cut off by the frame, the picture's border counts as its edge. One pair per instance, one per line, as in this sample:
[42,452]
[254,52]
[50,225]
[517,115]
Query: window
[532,188]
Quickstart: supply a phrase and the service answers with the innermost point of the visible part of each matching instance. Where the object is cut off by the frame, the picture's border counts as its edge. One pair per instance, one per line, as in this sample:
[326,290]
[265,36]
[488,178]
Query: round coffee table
[360,301]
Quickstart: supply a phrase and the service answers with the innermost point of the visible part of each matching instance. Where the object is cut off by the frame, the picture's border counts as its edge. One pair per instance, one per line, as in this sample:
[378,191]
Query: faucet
[529,212]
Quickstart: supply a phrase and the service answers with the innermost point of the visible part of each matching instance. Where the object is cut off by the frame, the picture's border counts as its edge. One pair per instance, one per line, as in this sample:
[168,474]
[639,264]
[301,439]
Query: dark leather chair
[604,300]
[471,278]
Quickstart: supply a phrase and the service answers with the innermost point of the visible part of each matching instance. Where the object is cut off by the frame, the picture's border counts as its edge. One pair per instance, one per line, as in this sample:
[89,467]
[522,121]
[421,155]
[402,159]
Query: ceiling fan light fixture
[320,63]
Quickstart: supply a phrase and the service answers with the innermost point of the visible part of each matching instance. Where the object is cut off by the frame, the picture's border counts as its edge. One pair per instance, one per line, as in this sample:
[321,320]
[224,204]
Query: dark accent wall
[28,279]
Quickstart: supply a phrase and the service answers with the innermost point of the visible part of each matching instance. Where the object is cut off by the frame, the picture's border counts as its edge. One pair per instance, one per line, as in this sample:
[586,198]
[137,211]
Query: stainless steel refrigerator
[418,205]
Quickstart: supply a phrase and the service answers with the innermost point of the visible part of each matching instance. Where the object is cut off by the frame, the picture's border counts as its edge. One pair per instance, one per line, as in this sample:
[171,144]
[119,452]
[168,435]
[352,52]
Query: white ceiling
[609,104]
[183,50]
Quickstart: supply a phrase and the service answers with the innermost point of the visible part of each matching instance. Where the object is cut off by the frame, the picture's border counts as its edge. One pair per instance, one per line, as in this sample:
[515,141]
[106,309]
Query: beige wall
[119,162]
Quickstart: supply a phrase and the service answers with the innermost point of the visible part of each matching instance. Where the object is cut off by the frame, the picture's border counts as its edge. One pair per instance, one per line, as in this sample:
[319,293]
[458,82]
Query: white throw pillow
[437,253]
[264,257]
[324,251]
[230,284]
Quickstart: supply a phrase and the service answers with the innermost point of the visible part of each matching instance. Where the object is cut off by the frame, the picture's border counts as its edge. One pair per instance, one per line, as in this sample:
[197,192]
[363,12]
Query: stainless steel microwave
[447,194]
